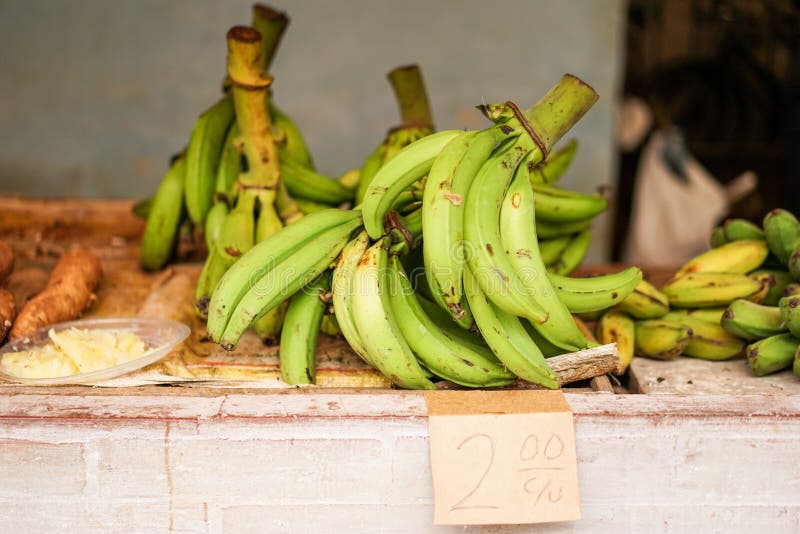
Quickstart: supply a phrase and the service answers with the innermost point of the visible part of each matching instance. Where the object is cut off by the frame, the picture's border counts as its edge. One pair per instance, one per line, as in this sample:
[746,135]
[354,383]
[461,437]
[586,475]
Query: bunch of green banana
[386,319]
[213,159]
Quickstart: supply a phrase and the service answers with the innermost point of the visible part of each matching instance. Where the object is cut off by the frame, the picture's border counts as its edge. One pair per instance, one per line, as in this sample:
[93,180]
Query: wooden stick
[585,364]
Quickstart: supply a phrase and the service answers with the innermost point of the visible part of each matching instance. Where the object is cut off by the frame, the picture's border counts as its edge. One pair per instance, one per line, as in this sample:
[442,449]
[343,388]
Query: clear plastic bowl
[159,336]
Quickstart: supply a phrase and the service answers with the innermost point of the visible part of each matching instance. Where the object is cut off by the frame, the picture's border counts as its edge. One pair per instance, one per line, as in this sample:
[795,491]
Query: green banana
[487,259]
[790,312]
[161,231]
[555,165]
[518,235]
[752,321]
[290,141]
[572,255]
[300,330]
[408,166]
[309,206]
[142,208]
[396,139]
[445,356]
[618,327]
[369,169]
[794,264]
[444,322]
[237,231]
[782,280]
[350,179]
[268,326]
[558,205]
[791,290]
[551,249]
[772,354]
[306,183]
[661,340]
[645,302]
[203,156]
[550,230]
[342,288]
[230,163]
[330,326]
[548,349]
[583,295]
[708,341]
[507,337]
[268,222]
[213,269]
[718,237]
[377,323]
[446,187]
[265,256]
[704,290]
[287,277]
[782,231]
[796,366]
[740,256]
[741,229]
[215,218]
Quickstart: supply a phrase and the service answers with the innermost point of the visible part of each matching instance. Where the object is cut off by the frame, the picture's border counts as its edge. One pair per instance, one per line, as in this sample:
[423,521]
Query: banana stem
[409,90]
[251,83]
[558,110]
[551,117]
[271,24]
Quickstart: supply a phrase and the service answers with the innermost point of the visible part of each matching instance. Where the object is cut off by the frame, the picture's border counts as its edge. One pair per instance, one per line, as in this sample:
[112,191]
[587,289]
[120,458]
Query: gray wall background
[95,95]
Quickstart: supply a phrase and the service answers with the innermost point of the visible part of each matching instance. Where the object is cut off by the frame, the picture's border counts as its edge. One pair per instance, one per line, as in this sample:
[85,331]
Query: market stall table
[200,457]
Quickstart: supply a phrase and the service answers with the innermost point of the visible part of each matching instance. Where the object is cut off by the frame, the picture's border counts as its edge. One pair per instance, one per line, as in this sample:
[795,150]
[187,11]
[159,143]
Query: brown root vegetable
[6,260]
[68,292]
[8,310]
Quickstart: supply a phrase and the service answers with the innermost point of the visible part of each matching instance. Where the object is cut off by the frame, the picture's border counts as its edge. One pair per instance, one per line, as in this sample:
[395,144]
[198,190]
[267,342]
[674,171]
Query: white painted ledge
[201,460]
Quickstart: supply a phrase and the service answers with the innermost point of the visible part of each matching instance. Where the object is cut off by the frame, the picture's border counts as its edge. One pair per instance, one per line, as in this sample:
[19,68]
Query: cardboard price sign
[502,457]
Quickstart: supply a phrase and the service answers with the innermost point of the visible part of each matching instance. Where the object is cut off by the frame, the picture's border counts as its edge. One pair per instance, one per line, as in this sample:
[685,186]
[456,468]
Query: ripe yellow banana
[709,341]
[617,327]
[704,289]
[661,340]
[645,302]
[740,256]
